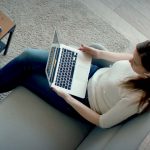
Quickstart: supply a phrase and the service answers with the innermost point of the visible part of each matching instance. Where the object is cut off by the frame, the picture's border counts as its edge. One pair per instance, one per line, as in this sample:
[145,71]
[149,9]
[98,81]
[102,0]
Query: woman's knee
[33,55]
[100,62]
[98,46]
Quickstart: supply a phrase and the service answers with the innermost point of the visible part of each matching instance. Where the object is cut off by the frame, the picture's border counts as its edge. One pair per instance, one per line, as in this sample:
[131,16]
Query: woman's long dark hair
[142,83]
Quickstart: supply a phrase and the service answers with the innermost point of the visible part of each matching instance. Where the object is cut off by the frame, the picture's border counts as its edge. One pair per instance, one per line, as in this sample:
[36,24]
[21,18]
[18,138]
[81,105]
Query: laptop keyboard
[66,69]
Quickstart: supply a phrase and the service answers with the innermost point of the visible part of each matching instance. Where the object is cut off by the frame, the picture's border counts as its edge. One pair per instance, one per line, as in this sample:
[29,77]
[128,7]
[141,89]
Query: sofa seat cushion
[29,123]
[125,136]
[145,144]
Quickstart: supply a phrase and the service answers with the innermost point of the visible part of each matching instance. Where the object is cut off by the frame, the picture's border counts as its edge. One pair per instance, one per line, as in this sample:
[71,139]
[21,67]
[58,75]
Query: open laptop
[68,68]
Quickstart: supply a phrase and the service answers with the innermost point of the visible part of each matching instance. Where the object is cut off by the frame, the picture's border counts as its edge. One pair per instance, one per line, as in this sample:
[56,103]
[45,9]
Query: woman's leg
[38,84]
[28,70]
[17,70]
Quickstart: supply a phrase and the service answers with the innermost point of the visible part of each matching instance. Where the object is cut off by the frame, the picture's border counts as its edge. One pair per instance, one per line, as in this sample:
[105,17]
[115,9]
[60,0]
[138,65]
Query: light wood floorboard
[136,14]
[143,6]
[119,14]
[112,4]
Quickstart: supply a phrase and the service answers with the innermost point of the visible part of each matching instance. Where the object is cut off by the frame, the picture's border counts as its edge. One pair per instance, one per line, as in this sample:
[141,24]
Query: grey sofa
[29,123]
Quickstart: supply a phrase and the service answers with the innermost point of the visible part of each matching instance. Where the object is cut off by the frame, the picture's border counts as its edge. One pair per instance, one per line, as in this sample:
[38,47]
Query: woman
[114,93]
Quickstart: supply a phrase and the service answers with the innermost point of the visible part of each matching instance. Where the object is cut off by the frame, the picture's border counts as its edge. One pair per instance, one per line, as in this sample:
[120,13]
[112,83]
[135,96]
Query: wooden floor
[131,18]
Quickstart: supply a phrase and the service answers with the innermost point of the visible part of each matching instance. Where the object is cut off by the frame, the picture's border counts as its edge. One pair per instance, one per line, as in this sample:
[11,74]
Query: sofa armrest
[125,136]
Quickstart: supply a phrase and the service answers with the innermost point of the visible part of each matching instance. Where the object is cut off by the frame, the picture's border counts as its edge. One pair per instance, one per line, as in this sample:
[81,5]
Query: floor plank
[130,14]
[116,21]
[143,6]
[112,4]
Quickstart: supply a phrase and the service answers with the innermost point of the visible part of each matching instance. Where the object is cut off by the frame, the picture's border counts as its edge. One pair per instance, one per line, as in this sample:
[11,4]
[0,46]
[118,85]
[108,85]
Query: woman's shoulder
[123,62]
[130,96]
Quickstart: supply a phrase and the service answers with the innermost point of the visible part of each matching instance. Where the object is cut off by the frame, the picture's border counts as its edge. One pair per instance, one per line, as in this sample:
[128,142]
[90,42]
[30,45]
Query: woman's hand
[82,109]
[61,93]
[89,50]
[106,55]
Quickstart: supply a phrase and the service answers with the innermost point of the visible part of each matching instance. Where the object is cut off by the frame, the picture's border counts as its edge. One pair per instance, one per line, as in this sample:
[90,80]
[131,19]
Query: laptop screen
[52,63]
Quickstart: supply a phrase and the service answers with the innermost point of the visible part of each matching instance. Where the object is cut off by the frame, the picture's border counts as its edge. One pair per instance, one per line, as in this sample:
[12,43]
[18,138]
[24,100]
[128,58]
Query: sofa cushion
[125,136]
[98,139]
[145,144]
[29,123]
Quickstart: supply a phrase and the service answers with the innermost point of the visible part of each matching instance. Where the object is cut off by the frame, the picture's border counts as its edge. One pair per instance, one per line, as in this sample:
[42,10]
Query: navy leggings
[28,69]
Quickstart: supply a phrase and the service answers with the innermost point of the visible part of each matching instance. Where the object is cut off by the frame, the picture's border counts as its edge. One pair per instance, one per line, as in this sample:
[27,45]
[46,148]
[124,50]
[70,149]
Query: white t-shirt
[113,102]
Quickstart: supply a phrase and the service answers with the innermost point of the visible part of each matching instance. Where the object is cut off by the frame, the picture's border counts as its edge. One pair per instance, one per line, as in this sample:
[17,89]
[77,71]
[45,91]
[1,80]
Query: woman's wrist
[70,100]
[100,54]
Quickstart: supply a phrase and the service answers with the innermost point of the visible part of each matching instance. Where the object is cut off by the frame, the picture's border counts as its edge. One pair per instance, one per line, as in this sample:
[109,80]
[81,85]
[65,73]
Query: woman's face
[136,64]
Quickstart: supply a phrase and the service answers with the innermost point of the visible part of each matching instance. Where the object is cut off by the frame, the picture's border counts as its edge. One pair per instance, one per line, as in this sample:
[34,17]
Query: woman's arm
[82,109]
[123,109]
[107,55]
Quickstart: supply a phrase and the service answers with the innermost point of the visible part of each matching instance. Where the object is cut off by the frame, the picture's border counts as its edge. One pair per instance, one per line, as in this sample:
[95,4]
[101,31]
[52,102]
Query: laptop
[68,68]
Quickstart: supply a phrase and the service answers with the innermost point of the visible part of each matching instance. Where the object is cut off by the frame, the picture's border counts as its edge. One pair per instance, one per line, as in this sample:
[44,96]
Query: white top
[113,102]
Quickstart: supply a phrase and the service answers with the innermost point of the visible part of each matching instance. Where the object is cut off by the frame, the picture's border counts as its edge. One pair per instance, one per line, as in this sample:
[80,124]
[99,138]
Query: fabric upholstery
[29,123]
[125,136]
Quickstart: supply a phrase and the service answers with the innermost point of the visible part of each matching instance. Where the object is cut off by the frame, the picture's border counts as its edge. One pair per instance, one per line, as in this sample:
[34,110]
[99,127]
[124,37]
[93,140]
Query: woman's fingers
[59,92]
[81,47]
[89,50]
[56,89]
[85,48]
